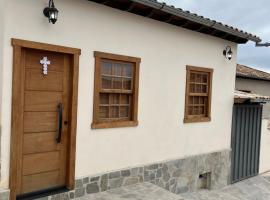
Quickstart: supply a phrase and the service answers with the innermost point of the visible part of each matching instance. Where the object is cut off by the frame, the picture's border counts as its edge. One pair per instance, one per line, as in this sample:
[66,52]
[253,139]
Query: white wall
[265,147]
[165,50]
[1,65]
[1,46]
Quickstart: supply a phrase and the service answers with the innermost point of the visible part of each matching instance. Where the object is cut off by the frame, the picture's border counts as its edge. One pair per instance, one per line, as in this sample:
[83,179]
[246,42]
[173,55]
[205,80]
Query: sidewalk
[257,188]
[141,191]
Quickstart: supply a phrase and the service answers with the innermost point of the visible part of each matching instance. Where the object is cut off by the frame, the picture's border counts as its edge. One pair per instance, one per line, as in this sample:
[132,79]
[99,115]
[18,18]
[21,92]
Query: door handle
[60,117]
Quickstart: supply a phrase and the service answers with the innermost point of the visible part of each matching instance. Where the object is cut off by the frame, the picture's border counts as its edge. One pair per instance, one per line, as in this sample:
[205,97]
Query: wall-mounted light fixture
[228,52]
[51,12]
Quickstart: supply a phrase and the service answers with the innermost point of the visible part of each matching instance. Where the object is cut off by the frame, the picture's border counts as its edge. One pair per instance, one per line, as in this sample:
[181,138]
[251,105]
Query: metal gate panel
[246,139]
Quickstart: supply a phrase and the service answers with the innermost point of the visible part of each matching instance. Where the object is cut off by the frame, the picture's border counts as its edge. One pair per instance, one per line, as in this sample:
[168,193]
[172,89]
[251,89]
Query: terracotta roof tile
[248,72]
[210,20]
[208,26]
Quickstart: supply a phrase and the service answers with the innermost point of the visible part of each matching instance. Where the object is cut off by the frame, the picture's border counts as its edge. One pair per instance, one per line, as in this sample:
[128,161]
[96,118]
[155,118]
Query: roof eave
[244,100]
[242,97]
[252,78]
[190,21]
[197,19]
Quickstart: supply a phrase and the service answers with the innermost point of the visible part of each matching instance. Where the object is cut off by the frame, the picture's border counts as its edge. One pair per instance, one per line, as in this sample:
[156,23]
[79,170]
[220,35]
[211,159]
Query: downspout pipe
[267,44]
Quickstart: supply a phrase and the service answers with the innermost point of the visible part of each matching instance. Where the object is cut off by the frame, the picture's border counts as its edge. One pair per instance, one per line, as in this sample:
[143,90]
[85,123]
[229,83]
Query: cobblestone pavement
[257,188]
[141,191]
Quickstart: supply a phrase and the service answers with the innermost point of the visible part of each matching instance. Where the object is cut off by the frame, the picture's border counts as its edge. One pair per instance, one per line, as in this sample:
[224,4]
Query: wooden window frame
[193,119]
[18,102]
[97,124]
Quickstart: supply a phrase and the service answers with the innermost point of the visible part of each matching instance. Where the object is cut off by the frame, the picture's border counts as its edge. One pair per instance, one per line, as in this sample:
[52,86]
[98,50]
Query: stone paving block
[141,191]
[257,188]
[113,175]
[4,195]
[92,188]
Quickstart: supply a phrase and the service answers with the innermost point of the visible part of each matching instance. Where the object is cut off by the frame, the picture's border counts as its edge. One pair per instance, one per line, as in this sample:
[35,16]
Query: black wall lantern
[228,52]
[51,12]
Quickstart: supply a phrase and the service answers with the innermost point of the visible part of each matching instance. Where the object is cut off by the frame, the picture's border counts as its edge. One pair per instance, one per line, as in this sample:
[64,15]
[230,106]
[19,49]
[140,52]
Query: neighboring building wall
[165,51]
[265,147]
[260,87]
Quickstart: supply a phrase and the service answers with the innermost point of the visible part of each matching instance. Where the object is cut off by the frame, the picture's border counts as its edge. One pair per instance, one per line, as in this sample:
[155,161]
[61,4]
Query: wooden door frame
[17,108]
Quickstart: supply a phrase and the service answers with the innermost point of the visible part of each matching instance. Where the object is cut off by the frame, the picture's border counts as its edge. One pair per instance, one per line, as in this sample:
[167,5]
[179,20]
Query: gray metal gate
[246,138]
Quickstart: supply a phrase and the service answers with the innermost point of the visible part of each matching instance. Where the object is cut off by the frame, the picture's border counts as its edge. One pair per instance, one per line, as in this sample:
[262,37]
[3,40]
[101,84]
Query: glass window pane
[104,112]
[115,98]
[198,103]
[198,78]
[106,68]
[106,82]
[204,88]
[205,78]
[192,88]
[104,98]
[124,111]
[205,101]
[124,99]
[115,95]
[198,89]
[190,110]
[192,77]
[196,100]
[127,70]
[117,69]
[114,112]
[201,110]
[191,100]
[201,100]
[195,110]
[127,84]
[117,83]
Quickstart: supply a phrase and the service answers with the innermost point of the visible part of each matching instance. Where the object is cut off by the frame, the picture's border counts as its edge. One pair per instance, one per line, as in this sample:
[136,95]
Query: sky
[248,15]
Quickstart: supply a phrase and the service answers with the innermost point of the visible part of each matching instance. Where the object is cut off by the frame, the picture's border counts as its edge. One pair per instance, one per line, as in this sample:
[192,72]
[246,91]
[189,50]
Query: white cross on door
[45,62]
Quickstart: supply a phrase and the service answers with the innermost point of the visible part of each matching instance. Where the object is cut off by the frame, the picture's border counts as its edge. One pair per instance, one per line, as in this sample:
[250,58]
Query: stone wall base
[188,174]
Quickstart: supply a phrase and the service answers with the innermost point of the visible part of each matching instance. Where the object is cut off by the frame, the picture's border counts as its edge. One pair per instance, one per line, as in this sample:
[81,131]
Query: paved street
[257,188]
[142,191]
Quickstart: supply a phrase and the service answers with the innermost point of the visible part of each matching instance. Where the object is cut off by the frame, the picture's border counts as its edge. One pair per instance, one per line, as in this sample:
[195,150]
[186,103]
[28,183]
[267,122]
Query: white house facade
[156,140]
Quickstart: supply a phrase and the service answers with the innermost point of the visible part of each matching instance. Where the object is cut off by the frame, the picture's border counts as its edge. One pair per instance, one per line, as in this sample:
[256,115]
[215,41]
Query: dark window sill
[103,125]
[197,120]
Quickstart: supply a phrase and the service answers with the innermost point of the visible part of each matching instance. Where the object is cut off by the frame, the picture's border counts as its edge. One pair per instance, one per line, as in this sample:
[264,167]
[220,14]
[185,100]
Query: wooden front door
[44,122]
[45,113]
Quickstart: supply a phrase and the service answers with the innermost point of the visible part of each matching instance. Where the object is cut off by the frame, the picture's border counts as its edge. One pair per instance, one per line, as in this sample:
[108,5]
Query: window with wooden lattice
[198,94]
[116,91]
